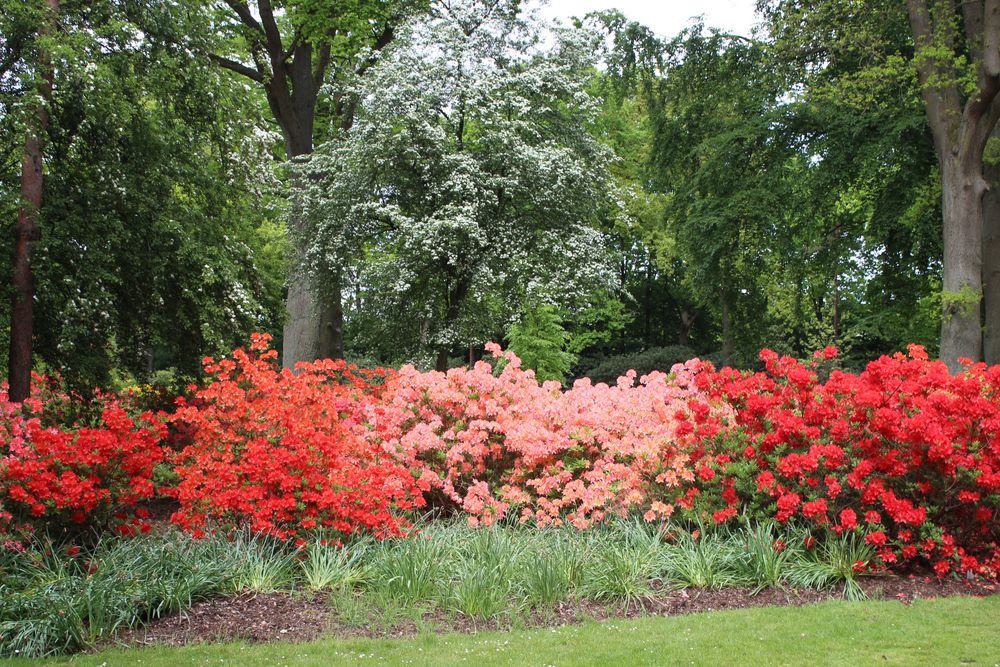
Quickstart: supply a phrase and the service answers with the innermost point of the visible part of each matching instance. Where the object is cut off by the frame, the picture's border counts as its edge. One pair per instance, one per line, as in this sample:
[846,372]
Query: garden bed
[299,617]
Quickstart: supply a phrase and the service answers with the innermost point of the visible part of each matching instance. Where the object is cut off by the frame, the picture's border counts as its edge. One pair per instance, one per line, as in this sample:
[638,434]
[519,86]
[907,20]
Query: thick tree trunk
[26,232]
[314,323]
[836,307]
[961,125]
[291,78]
[454,300]
[991,264]
[962,188]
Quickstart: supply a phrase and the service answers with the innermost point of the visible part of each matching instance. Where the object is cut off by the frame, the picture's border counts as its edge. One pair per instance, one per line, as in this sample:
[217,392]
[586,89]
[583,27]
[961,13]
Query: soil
[291,617]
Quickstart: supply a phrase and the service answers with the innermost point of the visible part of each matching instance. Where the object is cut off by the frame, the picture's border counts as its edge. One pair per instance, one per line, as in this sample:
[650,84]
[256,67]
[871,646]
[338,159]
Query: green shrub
[540,341]
[653,359]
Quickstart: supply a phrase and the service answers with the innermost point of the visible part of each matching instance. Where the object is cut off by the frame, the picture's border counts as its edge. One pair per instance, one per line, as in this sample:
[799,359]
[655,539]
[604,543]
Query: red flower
[877,538]
[724,515]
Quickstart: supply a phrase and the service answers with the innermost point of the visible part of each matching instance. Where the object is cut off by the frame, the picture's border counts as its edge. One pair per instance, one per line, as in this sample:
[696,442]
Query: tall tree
[469,185]
[958,60]
[291,50]
[26,231]
[717,156]
[157,173]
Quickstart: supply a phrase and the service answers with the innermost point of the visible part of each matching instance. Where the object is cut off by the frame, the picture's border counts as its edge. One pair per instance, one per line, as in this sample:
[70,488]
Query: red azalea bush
[490,442]
[77,473]
[904,453]
[277,450]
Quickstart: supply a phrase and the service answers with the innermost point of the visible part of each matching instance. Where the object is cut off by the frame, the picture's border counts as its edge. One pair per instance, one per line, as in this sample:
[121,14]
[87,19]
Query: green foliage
[332,567]
[757,560]
[54,602]
[655,359]
[260,564]
[702,562]
[833,563]
[157,188]
[540,341]
[409,571]
[58,599]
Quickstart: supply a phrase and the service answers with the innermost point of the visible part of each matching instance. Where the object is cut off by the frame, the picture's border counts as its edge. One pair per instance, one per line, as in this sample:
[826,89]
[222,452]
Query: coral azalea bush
[492,442]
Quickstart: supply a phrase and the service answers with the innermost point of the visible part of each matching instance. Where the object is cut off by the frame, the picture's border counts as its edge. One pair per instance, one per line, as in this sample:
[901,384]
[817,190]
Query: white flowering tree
[470,185]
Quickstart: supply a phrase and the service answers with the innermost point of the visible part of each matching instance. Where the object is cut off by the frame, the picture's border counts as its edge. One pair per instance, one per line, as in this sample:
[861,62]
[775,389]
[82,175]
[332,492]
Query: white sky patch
[665,17]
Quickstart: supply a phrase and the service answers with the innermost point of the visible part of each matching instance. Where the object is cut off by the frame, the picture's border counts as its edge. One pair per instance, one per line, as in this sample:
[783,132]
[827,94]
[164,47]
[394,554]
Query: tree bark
[687,323]
[26,230]
[991,263]
[314,321]
[454,300]
[291,75]
[962,189]
[441,363]
[961,130]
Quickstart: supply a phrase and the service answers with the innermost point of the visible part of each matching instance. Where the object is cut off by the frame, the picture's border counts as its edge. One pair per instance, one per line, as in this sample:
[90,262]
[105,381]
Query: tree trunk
[314,323]
[26,231]
[647,309]
[961,125]
[454,299]
[687,323]
[991,264]
[962,189]
[441,363]
[836,307]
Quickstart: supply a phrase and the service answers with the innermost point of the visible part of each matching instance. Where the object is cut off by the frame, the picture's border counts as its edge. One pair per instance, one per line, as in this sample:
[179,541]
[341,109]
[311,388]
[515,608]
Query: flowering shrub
[72,473]
[904,453]
[903,456]
[493,441]
[276,449]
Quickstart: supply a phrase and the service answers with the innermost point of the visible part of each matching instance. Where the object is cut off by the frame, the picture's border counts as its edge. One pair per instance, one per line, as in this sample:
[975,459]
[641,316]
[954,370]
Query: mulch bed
[289,617]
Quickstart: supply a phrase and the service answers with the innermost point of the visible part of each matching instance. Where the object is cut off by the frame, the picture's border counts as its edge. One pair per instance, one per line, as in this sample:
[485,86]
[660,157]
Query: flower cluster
[491,441]
[904,453]
[277,450]
[73,473]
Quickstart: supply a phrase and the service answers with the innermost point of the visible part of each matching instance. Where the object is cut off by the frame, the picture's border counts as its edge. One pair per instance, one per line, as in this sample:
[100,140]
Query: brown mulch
[288,617]
[249,617]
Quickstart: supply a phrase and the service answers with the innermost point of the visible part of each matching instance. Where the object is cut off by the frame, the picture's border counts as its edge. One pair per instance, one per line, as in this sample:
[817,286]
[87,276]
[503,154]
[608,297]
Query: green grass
[958,631]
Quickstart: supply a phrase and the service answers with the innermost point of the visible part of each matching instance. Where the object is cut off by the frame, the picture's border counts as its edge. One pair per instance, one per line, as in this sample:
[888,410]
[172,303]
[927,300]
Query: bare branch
[271,29]
[239,68]
[243,11]
[296,40]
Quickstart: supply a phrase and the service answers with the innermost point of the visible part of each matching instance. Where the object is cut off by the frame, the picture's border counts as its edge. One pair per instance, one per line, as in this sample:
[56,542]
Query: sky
[665,17]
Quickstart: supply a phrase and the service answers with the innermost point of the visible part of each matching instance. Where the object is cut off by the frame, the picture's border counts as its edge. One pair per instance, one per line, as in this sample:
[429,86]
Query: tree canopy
[407,180]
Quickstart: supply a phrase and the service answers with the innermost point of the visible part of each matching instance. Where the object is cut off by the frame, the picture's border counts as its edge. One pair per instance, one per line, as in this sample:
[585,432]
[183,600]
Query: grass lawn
[955,631]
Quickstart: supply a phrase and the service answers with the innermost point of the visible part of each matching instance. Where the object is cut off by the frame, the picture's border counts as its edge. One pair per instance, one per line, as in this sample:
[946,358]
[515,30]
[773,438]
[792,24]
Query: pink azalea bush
[492,442]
